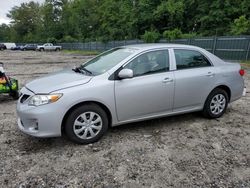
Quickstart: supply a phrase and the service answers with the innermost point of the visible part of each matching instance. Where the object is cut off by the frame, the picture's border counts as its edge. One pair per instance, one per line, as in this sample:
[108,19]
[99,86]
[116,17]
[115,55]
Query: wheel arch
[225,88]
[101,105]
[206,107]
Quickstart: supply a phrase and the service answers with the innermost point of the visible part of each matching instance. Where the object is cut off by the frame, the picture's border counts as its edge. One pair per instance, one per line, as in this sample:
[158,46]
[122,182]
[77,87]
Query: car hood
[57,81]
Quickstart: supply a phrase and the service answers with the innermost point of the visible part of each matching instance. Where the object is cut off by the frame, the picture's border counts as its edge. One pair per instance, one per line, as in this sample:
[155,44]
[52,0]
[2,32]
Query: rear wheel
[216,103]
[86,124]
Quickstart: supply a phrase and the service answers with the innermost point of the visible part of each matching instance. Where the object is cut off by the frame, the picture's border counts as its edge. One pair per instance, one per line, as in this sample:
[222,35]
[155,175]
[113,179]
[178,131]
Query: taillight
[242,72]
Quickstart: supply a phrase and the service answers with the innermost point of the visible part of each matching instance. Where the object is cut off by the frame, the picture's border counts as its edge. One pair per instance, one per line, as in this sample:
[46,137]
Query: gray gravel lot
[180,151]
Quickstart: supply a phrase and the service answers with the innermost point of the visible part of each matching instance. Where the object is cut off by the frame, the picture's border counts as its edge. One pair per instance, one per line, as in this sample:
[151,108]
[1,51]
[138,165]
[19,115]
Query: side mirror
[125,73]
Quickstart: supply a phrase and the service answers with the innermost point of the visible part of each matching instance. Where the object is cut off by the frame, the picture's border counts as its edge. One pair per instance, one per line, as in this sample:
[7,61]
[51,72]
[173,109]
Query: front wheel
[86,124]
[216,103]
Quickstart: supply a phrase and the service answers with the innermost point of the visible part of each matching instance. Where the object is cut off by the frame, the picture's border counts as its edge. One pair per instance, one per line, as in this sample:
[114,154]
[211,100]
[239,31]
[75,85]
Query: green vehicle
[8,85]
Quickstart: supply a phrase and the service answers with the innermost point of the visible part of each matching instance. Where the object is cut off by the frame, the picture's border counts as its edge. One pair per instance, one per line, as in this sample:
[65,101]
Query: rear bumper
[237,89]
[244,92]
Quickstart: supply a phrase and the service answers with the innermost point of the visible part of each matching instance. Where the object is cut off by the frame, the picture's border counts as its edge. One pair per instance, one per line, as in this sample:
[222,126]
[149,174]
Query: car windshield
[107,60]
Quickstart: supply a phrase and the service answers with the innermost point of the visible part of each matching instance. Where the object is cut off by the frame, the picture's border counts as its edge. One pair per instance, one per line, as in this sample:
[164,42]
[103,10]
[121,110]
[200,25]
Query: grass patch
[245,64]
[81,52]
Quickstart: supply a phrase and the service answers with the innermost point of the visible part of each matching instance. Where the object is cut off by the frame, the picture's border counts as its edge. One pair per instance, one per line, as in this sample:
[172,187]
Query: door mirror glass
[125,73]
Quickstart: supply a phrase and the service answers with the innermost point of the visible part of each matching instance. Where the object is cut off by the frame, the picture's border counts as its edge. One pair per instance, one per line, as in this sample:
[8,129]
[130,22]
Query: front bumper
[42,121]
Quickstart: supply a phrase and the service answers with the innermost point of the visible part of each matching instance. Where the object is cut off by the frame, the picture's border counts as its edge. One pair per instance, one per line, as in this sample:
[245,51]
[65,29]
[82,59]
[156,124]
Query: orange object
[2,81]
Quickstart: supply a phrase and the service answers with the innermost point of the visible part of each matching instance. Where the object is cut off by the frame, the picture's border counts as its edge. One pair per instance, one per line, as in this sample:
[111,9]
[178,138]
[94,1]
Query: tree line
[105,20]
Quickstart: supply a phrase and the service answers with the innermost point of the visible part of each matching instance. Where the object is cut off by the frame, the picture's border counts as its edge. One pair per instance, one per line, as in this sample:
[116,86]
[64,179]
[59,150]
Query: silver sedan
[128,84]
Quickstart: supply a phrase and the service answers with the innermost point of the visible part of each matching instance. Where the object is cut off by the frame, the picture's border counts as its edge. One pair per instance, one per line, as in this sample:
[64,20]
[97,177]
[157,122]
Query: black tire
[42,49]
[73,116]
[57,49]
[207,112]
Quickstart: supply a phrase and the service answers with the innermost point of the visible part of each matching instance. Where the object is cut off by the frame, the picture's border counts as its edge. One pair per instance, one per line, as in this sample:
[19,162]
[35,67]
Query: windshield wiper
[77,69]
[86,70]
[82,70]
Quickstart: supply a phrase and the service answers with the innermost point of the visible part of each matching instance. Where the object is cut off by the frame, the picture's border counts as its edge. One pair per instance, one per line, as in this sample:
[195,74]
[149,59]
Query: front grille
[24,98]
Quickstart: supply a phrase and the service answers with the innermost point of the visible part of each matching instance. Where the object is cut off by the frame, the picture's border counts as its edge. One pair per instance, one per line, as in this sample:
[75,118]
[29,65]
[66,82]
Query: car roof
[151,46]
[159,45]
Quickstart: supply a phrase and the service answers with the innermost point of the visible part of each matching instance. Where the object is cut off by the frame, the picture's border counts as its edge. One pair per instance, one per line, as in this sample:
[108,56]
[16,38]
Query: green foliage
[189,35]
[51,40]
[151,36]
[169,14]
[26,20]
[172,34]
[68,38]
[105,20]
[5,33]
[240,26]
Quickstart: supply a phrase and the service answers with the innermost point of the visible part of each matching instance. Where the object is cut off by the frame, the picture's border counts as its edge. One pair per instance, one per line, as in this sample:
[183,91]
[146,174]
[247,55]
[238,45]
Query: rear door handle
[167,80]
[210,74]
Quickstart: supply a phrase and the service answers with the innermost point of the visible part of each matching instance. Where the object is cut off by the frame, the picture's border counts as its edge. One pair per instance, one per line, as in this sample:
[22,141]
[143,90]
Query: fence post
[248,49]
[215,43]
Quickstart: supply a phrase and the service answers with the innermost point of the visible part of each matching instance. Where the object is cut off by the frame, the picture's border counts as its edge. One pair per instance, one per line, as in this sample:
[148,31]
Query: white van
[9,45]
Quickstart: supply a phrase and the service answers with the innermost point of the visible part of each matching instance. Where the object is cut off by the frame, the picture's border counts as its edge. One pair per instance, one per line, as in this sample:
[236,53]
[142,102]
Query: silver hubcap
[218,104]
[87,125]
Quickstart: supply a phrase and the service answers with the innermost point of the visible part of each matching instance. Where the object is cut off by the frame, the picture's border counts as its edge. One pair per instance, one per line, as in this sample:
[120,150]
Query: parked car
[9,45]
[128,84]
[29,47]
[2,47]
[49,47]
[17,48]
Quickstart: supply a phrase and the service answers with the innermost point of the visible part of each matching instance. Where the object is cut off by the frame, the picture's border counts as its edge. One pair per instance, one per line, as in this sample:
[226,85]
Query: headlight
[38,100]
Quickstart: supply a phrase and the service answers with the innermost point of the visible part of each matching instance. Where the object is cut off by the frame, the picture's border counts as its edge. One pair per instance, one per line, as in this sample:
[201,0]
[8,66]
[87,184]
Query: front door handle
[167,80]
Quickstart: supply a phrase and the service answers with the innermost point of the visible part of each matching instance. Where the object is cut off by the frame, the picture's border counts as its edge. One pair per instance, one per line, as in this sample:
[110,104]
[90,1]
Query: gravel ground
[180,151]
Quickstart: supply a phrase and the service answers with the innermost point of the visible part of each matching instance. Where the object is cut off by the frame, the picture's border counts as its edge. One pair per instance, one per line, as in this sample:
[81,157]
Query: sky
[6,5]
